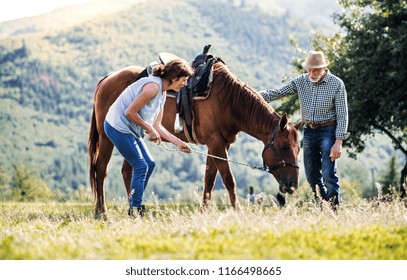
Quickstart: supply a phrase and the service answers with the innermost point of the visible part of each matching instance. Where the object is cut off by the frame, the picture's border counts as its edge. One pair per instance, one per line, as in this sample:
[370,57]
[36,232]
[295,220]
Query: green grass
[174,231]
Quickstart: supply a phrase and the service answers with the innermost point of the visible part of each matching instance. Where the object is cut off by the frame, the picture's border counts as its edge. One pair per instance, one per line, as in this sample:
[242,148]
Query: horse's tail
[93,145]
[93,151]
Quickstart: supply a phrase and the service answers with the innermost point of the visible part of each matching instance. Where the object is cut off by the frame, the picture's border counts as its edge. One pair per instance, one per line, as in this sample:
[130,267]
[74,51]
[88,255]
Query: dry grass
[362,230]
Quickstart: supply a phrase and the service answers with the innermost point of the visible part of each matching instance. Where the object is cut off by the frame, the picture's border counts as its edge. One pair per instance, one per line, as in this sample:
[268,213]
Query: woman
[139,110]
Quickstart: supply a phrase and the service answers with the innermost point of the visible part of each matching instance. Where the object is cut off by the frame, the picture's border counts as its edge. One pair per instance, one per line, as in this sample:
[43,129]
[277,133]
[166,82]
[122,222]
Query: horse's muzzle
[288,187]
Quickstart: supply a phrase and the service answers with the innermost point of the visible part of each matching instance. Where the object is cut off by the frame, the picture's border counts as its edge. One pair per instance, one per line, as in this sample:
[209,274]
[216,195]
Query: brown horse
[232,106]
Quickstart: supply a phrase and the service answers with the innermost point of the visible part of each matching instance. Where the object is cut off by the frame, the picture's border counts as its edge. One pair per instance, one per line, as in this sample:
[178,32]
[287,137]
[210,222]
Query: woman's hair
[173,69]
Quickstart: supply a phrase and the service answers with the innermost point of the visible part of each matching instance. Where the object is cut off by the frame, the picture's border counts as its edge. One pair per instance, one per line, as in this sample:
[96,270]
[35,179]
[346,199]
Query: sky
[24,8]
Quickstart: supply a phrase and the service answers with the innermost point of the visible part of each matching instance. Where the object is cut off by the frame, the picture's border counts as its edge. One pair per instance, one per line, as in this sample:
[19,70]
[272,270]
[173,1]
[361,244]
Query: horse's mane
[249,104]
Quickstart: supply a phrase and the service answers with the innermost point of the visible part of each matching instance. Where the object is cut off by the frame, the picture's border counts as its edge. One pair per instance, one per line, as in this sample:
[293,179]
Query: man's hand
[336,150]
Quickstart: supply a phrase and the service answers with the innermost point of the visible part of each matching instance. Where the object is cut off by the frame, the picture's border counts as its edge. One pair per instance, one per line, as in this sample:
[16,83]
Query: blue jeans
[135,151]
[319,169]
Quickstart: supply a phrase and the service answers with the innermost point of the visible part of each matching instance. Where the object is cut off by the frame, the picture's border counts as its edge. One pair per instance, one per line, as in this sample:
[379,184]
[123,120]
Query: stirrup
[177,124]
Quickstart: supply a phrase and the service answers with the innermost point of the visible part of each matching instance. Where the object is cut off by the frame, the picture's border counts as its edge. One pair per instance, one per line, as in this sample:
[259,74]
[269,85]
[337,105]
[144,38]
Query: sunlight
[25,8]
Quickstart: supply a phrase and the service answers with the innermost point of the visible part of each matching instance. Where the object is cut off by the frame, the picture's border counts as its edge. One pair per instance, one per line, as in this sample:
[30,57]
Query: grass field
[172,231]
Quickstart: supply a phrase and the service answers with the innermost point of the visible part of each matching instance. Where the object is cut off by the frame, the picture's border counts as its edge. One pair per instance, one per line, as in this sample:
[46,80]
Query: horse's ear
[298,125]
[283,121]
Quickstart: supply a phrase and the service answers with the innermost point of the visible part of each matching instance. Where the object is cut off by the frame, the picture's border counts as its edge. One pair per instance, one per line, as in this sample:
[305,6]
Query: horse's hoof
[280,199]
[203,208]
[101,216]
[237,207]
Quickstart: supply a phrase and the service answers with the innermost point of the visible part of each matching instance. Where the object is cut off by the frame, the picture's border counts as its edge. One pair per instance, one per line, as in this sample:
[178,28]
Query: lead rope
[216,157]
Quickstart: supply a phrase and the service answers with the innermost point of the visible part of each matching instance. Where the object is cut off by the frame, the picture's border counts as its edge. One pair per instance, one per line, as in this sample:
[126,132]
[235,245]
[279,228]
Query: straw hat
[315,59]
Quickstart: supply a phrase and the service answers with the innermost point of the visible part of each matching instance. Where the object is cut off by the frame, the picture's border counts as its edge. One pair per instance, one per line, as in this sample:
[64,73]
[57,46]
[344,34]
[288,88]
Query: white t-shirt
[116,115]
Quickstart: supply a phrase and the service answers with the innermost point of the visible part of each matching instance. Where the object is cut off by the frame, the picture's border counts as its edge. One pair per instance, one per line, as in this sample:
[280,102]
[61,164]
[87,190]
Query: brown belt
[318,125]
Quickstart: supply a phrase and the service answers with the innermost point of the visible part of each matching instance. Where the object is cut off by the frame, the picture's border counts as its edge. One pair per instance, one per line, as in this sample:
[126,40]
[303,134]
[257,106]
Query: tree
[389,178]
[25,186]
[4,189]
[370,56]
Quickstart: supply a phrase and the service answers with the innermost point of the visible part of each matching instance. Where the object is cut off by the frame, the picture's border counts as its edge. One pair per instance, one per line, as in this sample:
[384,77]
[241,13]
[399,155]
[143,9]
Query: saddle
[197,88]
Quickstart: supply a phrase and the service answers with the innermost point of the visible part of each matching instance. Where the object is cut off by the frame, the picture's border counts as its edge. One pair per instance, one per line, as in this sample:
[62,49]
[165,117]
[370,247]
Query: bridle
[281,162]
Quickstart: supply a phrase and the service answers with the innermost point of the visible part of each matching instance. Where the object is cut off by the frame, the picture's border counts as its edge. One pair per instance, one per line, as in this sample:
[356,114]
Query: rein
[216,157]
[281,163]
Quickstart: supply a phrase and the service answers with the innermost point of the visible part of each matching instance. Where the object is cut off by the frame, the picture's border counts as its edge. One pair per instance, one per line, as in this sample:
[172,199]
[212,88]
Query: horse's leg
[105,153]
[223,167]
[126,174]
[229,182]
[210,176]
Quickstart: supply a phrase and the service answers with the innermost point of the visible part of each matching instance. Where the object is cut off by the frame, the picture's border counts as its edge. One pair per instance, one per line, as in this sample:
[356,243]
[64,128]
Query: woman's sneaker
[140,211]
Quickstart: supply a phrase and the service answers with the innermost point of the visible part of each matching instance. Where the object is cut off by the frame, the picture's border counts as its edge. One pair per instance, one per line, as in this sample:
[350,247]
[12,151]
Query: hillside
[312,11]
[47,81]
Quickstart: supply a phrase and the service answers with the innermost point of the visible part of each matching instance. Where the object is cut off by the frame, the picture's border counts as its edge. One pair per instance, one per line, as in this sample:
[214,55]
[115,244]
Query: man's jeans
[135,151]
[319,169]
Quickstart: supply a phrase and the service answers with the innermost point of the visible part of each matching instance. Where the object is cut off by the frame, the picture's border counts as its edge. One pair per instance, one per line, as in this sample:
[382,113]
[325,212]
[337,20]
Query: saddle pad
[166,57]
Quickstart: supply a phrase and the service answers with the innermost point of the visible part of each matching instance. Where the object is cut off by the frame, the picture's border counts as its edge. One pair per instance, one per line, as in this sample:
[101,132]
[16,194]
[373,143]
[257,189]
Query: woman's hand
[153,136]
[184,147]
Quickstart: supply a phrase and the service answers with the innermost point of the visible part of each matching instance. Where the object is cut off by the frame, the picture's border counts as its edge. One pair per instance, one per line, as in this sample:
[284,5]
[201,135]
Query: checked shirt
[319,102]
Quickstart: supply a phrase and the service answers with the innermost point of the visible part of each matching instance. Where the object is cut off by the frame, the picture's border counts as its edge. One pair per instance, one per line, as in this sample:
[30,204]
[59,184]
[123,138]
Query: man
[324,111]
